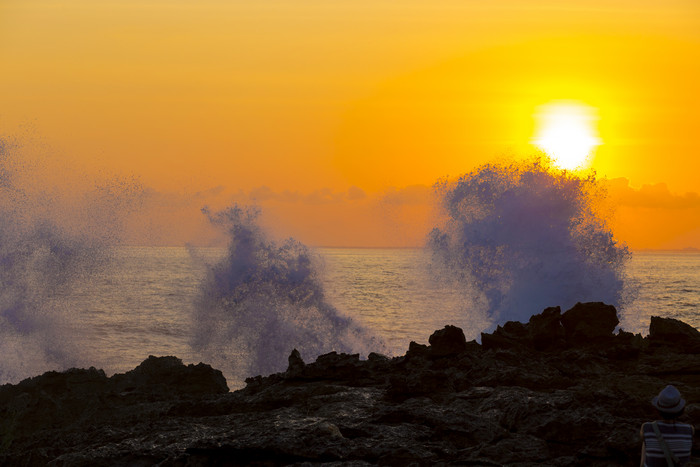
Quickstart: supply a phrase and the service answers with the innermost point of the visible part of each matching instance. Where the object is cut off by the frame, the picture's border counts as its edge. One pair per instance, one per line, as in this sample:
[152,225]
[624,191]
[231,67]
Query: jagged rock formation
[561,389]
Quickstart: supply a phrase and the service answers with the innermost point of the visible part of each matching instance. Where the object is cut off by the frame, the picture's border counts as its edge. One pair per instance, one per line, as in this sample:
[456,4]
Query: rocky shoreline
[562,389]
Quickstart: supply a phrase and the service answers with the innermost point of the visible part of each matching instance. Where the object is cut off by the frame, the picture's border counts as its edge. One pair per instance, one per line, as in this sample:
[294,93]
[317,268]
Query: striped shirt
[678,437]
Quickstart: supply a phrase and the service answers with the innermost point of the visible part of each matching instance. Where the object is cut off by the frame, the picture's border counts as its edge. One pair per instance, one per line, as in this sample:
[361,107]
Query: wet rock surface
[561,389]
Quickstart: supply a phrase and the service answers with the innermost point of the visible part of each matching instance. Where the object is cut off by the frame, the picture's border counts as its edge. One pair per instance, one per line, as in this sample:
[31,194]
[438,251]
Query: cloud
[655,196]
[410,195]
[262,193]
[356,193]
[175,217]
[325,195]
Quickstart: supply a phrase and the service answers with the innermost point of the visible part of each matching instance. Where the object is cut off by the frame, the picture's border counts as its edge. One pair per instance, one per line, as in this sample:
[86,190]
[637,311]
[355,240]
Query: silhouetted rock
[169,375]
[669,331]
[296,363]
[511,335]
[582,324]
[546,330]
[417,351]
[448,341]
[589,321]
[535,393]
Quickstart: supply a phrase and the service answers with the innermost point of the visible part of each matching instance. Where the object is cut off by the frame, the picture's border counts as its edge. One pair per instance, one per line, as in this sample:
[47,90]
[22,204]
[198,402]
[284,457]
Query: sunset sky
[338,116]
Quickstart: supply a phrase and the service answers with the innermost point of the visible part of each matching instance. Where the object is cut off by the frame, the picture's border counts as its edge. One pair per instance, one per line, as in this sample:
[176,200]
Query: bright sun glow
[566,132]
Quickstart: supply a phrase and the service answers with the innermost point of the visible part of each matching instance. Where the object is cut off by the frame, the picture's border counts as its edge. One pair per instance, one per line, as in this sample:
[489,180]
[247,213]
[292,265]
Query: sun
[566,132]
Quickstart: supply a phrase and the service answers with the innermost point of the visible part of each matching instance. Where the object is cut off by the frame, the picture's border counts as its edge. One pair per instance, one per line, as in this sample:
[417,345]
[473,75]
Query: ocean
[142,304]
[509,242]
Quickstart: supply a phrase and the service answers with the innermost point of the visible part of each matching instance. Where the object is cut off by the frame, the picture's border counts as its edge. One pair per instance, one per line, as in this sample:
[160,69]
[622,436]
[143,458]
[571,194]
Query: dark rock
[74,381]
[516,330]
[626,346]
[333,366]
[335,360]
[669,331]
[377,357]
[347,368]
[590,321]
[170,375]
[448,341]
[546,330]
[534,393]
[420,383]
[516,450]
[417,351]
[543,331]
[501,338]
[296,364]
[51,399]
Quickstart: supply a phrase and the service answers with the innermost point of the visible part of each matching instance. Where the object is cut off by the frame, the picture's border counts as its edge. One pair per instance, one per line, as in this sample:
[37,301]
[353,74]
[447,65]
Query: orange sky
[345,111]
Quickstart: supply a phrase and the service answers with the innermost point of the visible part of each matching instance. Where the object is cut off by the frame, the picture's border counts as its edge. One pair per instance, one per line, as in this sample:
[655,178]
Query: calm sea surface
[142,304]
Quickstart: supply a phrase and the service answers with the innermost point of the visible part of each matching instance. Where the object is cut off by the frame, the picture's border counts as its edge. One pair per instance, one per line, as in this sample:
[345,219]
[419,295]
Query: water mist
[48,244]
[526,236]
[263,300]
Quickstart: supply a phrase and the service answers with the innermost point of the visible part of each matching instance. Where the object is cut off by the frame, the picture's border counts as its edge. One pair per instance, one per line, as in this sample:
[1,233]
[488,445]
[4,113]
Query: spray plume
[526,236]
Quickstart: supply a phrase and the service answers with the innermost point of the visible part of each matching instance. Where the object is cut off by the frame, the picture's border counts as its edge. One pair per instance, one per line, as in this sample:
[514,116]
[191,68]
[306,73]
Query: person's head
[669,403]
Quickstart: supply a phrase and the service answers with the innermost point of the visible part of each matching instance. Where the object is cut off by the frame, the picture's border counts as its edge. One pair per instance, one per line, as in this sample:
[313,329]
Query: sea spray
[47,246]
[526,236]
[264,299]
[39,263]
